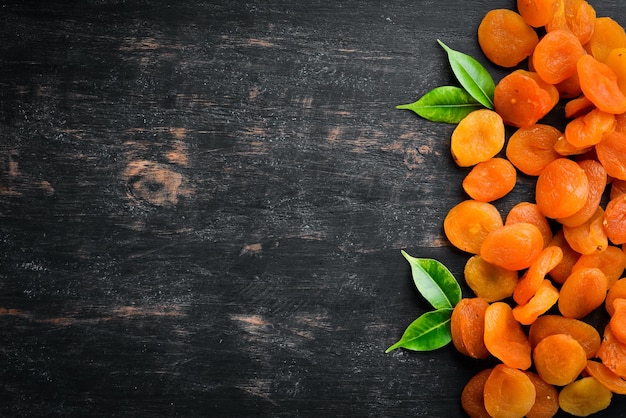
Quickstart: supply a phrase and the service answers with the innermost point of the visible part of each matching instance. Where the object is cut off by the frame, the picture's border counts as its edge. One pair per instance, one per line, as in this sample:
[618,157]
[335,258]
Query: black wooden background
[203,203]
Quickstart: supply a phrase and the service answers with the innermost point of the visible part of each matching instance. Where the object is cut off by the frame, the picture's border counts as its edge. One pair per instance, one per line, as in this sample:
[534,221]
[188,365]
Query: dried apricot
[536,13]
[596,175]
[588,130]
[488,281]
[586,335]
[472,396]
[562,188]
[617,62]
[618,188]
[468,223]
[618,320]
[508,393]
[599,84]
[522,98]
[607,36]
[530,282]
[467,326]
[578,106]
[584,397]
[478,137]
[605,376]
[490,180]
[589,237]
[616,291]
[611,261]
[505,38]
[612,154]
[531,149]
[513,246]
[546,398]
[529,213]
[544,298]
[583,291]
[559,359]
[504,337]
[562,270]
[613,353]
[614,221]
[556,55]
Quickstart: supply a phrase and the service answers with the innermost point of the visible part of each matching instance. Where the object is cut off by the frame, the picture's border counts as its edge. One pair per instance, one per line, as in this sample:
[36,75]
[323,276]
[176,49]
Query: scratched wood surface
[202,206]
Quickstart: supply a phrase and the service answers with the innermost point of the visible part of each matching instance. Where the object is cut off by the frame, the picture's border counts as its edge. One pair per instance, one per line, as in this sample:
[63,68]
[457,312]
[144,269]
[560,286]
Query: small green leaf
[428,332]
[448,104]
[472,76]
[435,282]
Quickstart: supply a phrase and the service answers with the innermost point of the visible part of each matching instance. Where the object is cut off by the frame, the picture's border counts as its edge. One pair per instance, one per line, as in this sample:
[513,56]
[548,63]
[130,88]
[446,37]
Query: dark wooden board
[202,206]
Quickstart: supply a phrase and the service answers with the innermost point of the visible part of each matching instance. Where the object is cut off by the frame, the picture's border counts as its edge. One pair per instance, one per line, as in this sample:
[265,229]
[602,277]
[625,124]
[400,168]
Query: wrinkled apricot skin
[488,281]
[468,223]
[599,84]
[536,13]
[562,189]
[522,98]
[614,221]
[605,376]
[472,396]
[597,179]
[607,36]
[589,237]
[530,282]
[588,130]
[586,335]
[556,55]
[508,393]
[490,180]
[546,399]
[559,359]
[611,261]
[505,38]
[467,327]
[617,62]
[616,291]
[584,397]
[513,246]
[531,149]
[618,320]
[612,353]
[583,291]
[477,138]
[527,212]
[561,272]
[504,337]
[544,298]
[612,154]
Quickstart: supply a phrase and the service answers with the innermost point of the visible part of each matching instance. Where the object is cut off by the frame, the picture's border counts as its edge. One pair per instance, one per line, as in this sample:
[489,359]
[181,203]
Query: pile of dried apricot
[540,271]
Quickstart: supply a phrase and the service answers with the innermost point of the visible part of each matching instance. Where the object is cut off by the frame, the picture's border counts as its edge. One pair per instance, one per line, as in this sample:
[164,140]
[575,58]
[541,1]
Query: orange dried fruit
[528,212]
[504,337]
[599,84]
[531,149]
[559,359]
[513,246]
[556,55]
[468,223]
[583,291]
[467,326]
[562,188]
[488,281]
[505,38]
[477,138]
[508,393]
[490,180]
[586,335]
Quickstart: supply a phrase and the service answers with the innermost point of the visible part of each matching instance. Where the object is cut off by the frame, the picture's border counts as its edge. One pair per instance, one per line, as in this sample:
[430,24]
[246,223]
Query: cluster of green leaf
[439,287]
[450,104]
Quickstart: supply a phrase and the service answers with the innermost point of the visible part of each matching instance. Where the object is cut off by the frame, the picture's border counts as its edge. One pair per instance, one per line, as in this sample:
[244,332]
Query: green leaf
[448,104]
[472,76]
[435,282]
[428,332]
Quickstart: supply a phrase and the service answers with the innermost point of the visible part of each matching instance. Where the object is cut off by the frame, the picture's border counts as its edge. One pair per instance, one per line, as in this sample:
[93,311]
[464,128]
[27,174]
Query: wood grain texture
[202,206]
